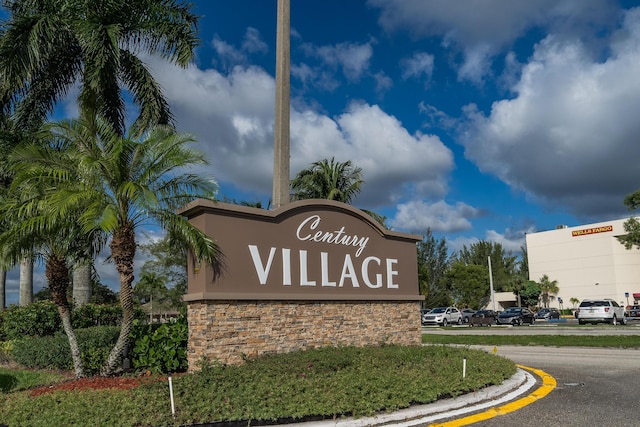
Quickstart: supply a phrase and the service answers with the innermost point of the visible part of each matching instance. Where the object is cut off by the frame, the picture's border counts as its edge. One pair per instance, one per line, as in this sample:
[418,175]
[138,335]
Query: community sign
[305,250]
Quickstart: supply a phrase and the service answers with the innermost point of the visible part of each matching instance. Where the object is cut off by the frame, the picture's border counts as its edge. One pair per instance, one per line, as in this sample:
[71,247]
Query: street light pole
[281,119]
[493,297]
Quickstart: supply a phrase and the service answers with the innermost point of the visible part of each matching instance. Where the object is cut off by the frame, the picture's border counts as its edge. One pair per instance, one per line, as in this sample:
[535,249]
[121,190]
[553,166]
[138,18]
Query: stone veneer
[228,331]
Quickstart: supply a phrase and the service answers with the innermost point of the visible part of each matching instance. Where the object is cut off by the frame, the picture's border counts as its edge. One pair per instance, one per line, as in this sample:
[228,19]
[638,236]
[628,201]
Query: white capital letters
[348,272]
[324,263]
[365,272]
[391,272]
[262,271]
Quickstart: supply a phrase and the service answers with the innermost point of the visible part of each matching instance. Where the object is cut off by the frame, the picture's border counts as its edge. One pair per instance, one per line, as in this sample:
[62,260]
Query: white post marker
[464,366]
[173,407]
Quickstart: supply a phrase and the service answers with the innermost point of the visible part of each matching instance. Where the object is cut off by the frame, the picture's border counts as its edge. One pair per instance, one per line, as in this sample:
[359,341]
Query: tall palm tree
[48,46]
[547,287]
[328,179]
[122,184]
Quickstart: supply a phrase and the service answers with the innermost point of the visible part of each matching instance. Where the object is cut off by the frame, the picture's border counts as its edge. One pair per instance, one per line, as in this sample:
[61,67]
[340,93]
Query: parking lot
[561,327]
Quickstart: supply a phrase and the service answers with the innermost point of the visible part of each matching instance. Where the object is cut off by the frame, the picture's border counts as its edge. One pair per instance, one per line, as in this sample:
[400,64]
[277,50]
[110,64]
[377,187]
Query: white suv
[442,316]
[601,310]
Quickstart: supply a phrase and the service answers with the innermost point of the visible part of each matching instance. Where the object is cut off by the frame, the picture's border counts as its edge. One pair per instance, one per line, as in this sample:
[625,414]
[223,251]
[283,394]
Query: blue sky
[483,120]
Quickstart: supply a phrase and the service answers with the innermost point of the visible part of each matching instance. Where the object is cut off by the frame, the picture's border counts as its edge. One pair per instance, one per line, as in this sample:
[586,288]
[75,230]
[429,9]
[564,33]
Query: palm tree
[328,179]
[574,301]
[122,184]
[48,46]
[58,240]
[547,287]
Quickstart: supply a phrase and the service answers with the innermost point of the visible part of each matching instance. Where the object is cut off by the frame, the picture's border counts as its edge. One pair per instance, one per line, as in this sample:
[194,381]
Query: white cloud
[232,118]
[352,58]
[420,65]
[479,29]
[570,134]
[417,216]
[228,56]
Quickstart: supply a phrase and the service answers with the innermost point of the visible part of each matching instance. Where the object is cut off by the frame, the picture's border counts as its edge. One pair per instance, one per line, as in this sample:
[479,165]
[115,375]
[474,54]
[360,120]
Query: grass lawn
[321,383]
[621,341]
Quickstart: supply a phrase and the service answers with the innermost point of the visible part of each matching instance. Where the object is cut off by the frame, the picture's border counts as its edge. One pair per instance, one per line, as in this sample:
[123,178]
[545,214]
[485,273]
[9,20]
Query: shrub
[161,348]
[37,319]
[53,352]
[41,318]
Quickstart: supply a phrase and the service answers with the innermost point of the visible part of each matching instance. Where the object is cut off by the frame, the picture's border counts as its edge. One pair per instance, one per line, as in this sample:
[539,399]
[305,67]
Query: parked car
[483,317]
[634,311]
[601,311]
[466,314]
[423,313]
[547,313]
[515,316]
[443,316]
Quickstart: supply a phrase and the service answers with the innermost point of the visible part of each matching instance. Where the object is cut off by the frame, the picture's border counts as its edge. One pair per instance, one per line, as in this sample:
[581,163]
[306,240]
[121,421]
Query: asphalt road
[595,386]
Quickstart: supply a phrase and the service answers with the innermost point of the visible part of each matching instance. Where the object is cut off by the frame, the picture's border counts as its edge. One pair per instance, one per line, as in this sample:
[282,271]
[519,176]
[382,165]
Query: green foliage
[326,382]
[547,287]
[433,263]
[161,348]
[530,294]
[632,238]
[469,284]
[16,379]
[328,179]
[101,294]
[89,315]
[37,319]
[503,264]
[52,352]
[41,318]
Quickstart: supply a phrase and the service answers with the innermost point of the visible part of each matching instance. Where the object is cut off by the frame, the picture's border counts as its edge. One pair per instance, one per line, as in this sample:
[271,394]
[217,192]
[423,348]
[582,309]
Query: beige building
[587,261]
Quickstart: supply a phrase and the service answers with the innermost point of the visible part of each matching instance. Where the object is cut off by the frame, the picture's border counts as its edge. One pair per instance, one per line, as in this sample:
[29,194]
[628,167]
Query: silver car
[443,316]
[601,311]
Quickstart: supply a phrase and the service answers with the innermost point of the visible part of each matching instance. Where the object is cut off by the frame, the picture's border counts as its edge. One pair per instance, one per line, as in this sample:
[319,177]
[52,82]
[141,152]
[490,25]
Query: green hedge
[53,352]
[37,319]
[41,319]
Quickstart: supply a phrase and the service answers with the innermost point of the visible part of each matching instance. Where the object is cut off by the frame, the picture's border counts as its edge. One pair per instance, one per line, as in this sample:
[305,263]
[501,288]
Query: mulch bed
[96,383]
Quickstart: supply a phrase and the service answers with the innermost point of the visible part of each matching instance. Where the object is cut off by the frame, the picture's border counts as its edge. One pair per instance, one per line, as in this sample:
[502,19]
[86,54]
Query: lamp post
[493,297]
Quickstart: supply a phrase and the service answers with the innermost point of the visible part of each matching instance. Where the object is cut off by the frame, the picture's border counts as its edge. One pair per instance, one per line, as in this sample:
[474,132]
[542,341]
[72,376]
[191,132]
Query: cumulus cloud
[328,65]
[232,117]
[417,216]
[569,136]
[227,56]
[420,65]
[478,30]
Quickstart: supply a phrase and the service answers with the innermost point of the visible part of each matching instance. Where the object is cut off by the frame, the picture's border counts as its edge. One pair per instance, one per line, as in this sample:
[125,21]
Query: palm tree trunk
[123,250]
[57,274]
[82,283]
[26,281]
[3,292]
[78,367]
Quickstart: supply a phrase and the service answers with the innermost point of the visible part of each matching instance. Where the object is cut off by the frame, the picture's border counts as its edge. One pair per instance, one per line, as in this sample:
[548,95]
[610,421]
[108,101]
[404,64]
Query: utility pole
[281,123]
[493,295]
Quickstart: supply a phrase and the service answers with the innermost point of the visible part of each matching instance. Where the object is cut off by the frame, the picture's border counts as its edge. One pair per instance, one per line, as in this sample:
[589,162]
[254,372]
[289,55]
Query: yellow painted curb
[548,384]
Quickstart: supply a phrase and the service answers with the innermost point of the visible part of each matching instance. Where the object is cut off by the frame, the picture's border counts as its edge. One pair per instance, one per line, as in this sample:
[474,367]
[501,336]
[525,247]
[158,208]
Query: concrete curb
[488,397]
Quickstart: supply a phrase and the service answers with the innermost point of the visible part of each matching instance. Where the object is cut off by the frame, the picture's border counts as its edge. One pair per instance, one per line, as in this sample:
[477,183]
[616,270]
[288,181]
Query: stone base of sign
[229,331]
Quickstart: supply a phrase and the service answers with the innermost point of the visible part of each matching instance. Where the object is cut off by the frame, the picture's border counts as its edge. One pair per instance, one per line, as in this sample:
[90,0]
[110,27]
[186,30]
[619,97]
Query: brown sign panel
[311,250]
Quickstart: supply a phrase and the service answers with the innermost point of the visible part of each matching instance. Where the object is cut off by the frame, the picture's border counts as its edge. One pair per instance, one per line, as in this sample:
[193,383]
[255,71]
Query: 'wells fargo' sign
[311,249]
[593,230]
